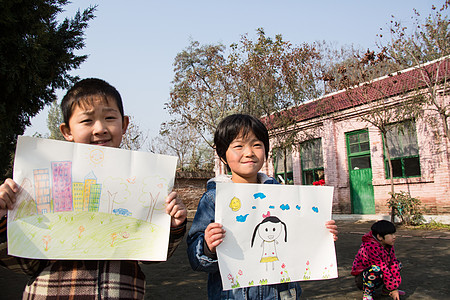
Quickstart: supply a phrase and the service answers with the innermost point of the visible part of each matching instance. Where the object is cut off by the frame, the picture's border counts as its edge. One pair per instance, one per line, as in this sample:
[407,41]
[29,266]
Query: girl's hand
[8,192]
[176,209]
[214,235]
[394,295]
[332,227]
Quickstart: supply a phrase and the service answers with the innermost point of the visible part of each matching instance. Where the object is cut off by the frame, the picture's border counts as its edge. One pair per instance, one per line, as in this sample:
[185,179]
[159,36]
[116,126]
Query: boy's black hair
[382,228]
[234,125]
[85,92]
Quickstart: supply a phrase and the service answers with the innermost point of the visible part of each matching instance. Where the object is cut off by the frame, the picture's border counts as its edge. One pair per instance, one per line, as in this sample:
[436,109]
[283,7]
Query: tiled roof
[381,88]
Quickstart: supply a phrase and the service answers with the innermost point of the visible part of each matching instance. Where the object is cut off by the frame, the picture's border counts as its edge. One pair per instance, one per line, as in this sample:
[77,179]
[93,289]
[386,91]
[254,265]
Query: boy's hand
[332,227]
[176,209]
[8,192]
[214,235]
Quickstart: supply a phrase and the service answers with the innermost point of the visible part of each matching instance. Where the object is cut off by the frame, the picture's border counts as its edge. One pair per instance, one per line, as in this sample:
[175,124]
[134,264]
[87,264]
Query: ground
[425,256]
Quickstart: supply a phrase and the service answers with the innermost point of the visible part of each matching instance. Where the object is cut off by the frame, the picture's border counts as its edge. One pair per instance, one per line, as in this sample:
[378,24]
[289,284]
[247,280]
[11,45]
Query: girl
[242,143]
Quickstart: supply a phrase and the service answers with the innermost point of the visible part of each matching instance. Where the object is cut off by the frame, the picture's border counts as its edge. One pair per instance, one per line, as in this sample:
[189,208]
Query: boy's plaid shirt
[66,279]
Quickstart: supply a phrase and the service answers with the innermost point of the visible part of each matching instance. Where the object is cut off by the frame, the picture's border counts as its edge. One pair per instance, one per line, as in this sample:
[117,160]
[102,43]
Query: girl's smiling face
[245,157]
[270,231]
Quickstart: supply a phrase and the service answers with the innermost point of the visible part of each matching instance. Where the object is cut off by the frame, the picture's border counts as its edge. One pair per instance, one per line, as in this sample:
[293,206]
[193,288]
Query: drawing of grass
[118,236]
[263,281]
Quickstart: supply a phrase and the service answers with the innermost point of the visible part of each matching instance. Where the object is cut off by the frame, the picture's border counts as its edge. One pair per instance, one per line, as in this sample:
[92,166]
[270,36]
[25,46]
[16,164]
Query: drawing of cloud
[241,218]
[271,207]
[298,207]
[253,207]
[315,209]
[285,207]
[259,195]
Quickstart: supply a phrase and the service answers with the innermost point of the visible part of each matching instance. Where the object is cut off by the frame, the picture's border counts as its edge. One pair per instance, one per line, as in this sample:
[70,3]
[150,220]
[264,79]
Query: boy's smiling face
[98,124]
[245,157]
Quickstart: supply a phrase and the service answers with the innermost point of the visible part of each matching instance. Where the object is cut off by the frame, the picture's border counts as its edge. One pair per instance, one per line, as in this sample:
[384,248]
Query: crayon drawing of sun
[96,156]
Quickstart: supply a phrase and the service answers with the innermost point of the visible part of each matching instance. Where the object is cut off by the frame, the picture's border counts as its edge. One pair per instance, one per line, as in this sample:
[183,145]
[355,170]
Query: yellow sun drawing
[96,156]
[235,204]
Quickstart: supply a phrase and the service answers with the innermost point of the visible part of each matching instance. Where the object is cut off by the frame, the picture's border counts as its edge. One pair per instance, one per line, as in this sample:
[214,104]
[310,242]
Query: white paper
[274,234]
[80,201]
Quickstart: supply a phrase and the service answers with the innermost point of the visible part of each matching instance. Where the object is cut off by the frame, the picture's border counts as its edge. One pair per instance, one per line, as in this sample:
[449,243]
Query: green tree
[429,40]
[261,78]
[183,141]
[54,119]
[36,55]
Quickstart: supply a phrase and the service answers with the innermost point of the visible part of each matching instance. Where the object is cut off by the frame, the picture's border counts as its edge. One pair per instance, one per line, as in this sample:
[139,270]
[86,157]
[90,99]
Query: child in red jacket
[375,263]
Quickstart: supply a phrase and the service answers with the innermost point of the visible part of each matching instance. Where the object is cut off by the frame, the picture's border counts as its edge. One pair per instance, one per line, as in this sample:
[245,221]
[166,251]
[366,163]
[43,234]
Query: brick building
[337,145]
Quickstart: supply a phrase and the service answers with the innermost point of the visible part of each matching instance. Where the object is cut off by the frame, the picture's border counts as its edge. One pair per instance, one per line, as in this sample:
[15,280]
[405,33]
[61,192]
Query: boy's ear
[65,130]
[125,122]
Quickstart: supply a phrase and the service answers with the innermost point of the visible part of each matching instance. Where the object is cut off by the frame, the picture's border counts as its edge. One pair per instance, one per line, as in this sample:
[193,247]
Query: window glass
[401,140]
[311,154]
[312,161]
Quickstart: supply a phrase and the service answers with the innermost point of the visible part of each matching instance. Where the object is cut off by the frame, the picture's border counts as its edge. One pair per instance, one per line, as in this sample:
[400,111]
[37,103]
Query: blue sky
[132,44]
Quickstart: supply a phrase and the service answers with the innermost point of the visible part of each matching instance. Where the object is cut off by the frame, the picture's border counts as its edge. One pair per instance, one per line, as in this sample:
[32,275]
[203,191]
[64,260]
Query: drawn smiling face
[270,231]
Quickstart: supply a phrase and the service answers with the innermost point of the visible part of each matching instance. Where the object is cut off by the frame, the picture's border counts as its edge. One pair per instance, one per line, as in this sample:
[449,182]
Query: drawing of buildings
[90,182]
[42,190]
[77,196]
[94,197]
[62,186]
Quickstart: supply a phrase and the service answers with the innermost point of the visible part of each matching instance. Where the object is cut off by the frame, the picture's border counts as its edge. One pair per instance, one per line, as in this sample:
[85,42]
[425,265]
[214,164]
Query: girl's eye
[85,121]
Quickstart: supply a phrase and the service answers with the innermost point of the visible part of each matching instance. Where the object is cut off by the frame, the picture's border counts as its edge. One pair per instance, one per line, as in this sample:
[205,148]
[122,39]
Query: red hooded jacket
[372,252]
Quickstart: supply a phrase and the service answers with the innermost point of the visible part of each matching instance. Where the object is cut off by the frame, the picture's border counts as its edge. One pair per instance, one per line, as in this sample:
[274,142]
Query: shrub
[406,208]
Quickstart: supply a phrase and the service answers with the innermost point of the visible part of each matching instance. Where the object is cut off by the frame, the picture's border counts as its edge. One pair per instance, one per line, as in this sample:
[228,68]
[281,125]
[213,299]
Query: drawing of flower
[114,237]
[240,272]
[283,266]
[81,229]
[46,239]
[125,235]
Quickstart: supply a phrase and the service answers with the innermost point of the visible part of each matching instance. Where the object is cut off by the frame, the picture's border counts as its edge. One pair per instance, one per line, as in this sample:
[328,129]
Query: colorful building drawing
[89,180]
[42,190]
[94,197]
[77,196]
[62,186]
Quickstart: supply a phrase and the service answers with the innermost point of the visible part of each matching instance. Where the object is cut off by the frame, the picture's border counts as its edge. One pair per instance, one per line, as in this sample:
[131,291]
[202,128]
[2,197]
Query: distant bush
[406,208]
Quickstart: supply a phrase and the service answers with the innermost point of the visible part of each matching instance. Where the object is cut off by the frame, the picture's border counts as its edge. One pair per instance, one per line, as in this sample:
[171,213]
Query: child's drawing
[86,202]
[269,230]
[270,239]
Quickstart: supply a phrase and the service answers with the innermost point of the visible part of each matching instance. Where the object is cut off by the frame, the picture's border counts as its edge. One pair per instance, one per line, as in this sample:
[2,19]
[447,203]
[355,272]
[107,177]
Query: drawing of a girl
[269,230]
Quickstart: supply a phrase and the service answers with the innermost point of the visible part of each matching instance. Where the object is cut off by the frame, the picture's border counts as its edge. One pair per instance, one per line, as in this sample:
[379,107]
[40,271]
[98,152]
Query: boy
[375,263]
[242,143]
[93,114]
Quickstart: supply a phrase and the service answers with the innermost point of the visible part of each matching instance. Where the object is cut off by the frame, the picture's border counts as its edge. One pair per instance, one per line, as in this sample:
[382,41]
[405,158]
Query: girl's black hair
[382,228]
[234,125]
[271,219]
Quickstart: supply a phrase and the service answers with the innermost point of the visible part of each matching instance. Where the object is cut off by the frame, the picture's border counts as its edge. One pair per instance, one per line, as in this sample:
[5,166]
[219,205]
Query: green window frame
[401,138]
[285,177]
[358,150]
[311,156]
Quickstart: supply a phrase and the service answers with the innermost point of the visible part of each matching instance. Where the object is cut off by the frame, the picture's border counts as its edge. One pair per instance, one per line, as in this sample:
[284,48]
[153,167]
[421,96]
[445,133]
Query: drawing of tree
[117,191]
[151,190]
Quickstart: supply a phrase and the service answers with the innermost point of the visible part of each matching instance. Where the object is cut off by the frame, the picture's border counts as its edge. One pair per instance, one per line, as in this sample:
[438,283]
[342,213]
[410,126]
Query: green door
[360,172]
